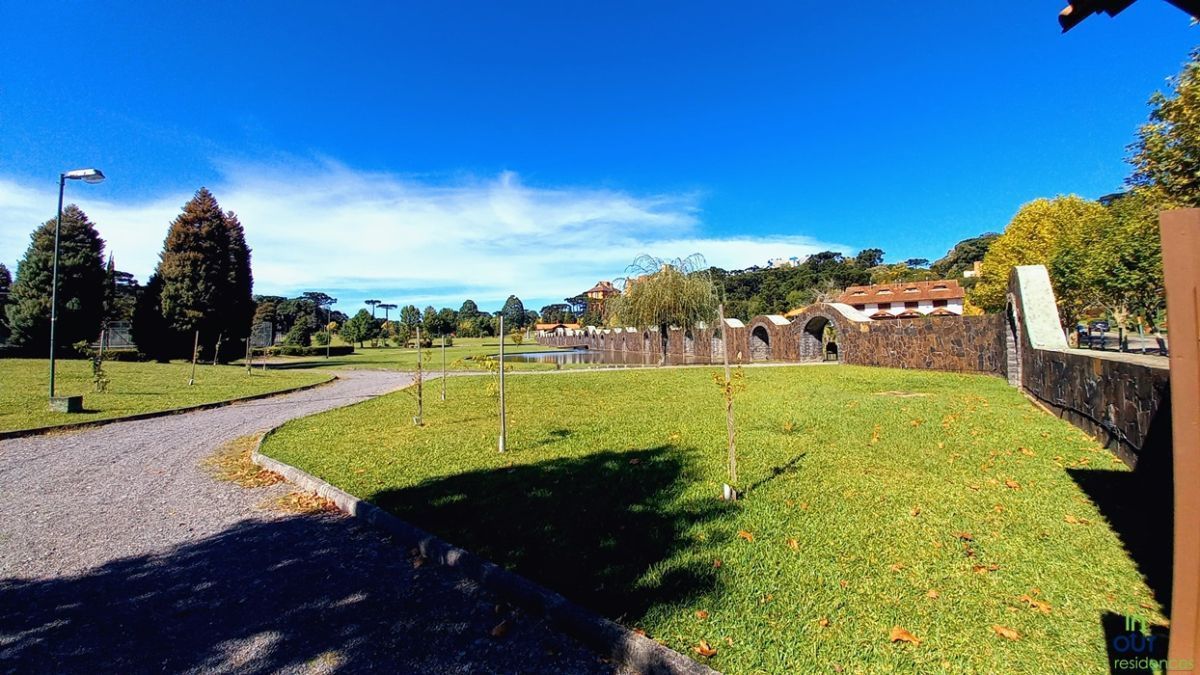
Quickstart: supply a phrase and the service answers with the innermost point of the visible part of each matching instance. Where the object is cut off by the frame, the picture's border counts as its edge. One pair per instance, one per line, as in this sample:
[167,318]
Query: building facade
[906,300]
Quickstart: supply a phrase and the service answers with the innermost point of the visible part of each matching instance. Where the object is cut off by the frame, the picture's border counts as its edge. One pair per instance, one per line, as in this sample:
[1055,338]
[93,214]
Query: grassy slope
[134,388]
[395,358]
[607,495]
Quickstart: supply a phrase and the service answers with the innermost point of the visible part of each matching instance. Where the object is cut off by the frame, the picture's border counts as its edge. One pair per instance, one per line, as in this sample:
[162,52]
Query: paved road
[119,553]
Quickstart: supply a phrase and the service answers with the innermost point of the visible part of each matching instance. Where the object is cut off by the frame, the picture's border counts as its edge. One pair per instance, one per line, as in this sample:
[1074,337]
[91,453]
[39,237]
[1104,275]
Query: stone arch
[821,331]
[760,343]
[646,342]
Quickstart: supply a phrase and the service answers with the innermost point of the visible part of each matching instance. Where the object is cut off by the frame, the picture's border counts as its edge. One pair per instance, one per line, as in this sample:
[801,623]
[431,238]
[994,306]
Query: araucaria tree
[206,283]
[665,293]
[80,285]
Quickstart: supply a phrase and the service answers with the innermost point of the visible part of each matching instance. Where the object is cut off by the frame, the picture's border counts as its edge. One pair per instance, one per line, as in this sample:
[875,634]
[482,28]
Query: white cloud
[408,240]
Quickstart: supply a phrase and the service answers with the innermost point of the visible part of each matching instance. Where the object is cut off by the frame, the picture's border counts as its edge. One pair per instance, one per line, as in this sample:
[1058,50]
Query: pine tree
[80,284]
[206,281]
[153,336]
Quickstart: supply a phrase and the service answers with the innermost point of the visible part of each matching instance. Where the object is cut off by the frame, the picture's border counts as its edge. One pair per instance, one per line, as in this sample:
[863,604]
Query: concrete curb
[77,426]
[626,648]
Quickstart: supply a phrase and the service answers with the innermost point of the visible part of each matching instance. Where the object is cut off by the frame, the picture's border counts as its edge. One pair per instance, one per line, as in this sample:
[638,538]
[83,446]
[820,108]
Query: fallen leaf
[717,562]
[501,629]
[729,641]
[1034,603]
[998,508]
[704,649]
[933,594]
[983,569]
[843,583]
[875,435]
[915,511]
[901,635]
[897,567]
[793,544]
[965,536]
[701,614]
[1027,452]
[1006,633]
[1012,484]
[974,487]
[823,622]
[803,506]
[742,534]
[916,423]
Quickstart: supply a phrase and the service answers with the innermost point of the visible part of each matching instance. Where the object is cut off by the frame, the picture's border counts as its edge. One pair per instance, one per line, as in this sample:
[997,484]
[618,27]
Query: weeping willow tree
[665,293]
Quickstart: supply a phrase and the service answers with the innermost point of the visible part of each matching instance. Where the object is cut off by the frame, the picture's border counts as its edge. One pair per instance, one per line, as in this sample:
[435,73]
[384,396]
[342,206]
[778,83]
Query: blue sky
[428,152]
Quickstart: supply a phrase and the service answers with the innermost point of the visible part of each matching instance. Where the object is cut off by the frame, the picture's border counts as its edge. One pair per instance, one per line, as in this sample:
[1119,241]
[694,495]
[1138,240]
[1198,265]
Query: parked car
[1099,325]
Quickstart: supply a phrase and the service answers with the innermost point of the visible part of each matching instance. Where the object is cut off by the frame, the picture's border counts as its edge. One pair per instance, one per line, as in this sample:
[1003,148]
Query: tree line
[201,286]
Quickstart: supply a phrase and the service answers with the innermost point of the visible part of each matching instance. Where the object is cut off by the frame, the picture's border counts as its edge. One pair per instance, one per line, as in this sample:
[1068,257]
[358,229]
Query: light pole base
[66,404]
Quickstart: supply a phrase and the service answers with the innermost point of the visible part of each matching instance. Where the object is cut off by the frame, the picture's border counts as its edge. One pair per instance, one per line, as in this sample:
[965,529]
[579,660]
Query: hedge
[297,350]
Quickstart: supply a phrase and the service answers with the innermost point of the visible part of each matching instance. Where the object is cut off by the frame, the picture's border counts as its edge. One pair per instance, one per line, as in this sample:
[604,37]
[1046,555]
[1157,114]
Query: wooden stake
[730,427]
[195,353]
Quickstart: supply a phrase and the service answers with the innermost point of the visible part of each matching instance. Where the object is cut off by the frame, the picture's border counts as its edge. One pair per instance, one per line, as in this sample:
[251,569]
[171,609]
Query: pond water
[590,356]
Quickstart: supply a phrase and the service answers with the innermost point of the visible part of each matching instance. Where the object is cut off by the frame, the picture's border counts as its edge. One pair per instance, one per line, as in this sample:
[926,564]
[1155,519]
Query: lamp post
[88,176]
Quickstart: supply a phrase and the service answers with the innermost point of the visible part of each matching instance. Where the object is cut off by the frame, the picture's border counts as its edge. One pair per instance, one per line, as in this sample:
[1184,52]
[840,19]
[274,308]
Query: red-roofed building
[906,300]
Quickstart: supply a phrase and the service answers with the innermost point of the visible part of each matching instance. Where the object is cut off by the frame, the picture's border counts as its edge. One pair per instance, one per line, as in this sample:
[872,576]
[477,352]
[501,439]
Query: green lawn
[458,357]
[874,498]
[133,388]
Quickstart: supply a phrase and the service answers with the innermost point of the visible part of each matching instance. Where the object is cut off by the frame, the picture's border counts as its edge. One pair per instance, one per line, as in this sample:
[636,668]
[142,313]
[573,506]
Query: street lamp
[92,176]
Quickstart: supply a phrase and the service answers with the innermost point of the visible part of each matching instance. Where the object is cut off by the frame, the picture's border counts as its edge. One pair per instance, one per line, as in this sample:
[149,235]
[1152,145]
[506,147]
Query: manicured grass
[458,357]
[938,503]
[133,388]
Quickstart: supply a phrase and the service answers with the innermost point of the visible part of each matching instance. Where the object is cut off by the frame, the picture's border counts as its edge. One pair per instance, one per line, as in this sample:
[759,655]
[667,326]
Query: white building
[906,300]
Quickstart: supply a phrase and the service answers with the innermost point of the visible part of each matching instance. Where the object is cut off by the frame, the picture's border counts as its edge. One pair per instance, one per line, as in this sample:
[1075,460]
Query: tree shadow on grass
[588,527]
[1139,505]
[300,594]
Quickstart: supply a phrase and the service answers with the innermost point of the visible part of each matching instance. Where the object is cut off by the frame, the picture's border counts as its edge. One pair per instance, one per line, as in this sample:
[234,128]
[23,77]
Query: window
[912,289]
[884,291]
[939,303]
[859,293]
[940,287]
[910,305]
[860,307]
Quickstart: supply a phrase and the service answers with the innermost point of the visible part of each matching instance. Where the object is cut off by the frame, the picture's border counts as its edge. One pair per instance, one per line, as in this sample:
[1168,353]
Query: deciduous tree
[665,293]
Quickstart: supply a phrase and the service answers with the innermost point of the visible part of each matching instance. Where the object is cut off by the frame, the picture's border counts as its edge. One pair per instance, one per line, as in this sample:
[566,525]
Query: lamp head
[92,176]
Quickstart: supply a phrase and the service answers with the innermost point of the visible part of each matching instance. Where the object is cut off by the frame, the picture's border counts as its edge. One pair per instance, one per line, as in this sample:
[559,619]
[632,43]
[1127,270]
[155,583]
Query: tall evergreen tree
[80,284]
[206,281]
[240,298]
[153,335]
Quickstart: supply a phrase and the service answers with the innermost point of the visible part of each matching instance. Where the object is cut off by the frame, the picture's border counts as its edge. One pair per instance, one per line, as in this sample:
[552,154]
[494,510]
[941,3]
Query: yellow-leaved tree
[1033,237]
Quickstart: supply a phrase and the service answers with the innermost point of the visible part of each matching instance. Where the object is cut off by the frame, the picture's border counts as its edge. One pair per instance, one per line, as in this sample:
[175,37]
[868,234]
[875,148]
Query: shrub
[320,338]
[298,350]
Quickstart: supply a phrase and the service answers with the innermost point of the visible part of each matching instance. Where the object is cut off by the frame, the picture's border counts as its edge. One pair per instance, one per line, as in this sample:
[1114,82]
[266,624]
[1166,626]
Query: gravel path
[119,553]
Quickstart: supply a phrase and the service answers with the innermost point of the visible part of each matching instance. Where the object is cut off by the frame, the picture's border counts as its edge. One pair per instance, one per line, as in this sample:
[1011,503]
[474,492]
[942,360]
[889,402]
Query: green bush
[320,338]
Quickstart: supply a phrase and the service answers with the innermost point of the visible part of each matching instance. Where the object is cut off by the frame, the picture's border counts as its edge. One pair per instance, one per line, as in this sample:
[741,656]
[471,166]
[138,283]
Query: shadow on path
[305,593]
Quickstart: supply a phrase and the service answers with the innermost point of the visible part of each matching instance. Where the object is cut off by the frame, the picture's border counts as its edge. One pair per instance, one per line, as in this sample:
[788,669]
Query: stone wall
[1123,400]
[968,344]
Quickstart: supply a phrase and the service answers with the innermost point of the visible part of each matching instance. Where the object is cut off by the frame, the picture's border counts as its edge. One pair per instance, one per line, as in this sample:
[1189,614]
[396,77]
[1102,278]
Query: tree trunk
[662,335]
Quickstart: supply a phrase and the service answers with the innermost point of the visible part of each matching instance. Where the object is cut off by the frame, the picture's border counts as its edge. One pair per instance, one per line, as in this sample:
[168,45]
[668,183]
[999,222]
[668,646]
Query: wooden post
[1181,266]
[443,366]
[217,349]
[249,356]
[195,352]
[503,421]
[420,403]
[730,427]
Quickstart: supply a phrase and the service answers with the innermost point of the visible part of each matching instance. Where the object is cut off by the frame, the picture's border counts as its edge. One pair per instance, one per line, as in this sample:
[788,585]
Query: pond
[614,358]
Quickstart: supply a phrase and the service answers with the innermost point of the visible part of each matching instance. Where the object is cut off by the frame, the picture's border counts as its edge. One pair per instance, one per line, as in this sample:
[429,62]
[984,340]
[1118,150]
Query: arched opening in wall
[717,345]
[689,343]
[816,338]
[603,342]
[646,342]
[760,344]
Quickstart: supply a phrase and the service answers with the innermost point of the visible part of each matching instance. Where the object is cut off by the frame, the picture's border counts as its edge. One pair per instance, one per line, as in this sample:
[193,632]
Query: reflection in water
[590,356]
